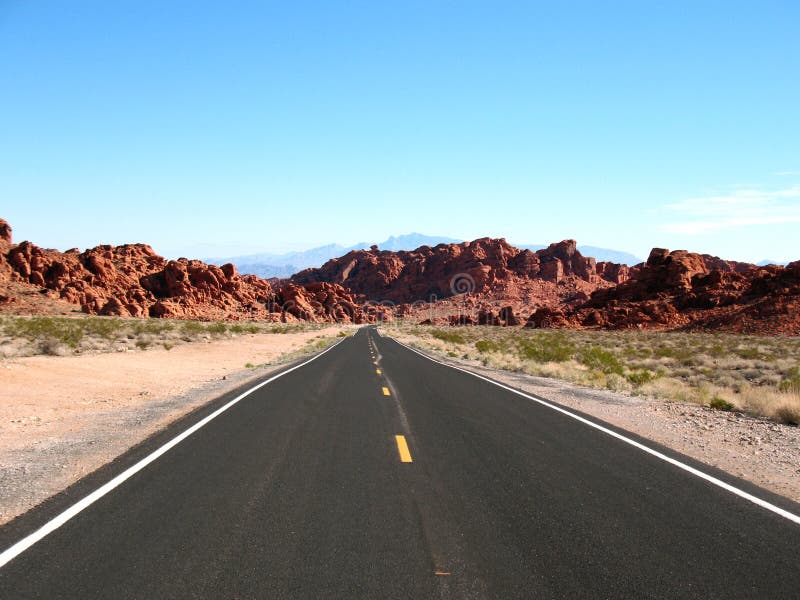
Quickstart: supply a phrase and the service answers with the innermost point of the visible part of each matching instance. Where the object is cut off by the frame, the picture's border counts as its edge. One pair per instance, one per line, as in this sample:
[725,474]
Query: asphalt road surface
[373,472]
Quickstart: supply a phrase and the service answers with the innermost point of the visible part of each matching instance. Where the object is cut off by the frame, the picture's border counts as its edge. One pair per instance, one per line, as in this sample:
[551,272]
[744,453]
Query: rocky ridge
[483,282]
[690,291]
[485,267]
[133,281]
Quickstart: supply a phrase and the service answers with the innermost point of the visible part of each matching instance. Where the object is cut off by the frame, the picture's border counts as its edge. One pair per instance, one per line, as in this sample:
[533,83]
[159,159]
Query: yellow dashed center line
[385,391]
[444,573]
[402,449]
[378,371]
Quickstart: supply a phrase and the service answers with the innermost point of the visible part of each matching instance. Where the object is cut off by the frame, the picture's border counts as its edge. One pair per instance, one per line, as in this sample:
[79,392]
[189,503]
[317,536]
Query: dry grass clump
[758,375]
[28,336]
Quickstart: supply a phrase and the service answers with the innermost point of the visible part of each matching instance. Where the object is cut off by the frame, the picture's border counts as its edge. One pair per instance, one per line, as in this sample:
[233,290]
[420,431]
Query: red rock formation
[132,280]
[508,317]
[613,272]
[685,290]
[483,267]
[485,282]
[455,320]
[487,317]
[5,268]
[487,276]
[5,232]
[504,317]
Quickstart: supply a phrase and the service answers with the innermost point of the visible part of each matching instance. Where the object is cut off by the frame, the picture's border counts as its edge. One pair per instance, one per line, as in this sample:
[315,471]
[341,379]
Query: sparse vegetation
[485,346]
[640,377]
[26,336]
[548,347]
[758,375]
[720,403]
[599,359]
[448,336]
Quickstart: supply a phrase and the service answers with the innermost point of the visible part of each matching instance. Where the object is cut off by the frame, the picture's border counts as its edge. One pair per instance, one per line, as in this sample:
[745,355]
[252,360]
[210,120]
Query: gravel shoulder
[62,417]
[757,450]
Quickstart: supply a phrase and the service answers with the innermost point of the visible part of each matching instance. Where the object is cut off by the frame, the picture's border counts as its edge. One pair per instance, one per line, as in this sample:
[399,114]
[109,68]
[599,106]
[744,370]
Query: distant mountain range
[766,262]
[287,264]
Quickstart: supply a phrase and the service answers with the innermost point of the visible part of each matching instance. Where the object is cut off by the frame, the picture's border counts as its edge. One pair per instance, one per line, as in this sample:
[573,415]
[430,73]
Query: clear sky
[214,128]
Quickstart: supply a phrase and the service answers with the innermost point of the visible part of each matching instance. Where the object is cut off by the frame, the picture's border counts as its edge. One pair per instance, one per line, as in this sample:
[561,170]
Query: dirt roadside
[62,417]
[757,450]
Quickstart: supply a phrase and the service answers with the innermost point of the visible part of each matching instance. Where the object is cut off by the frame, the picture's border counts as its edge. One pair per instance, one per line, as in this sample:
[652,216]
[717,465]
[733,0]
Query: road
[374,472]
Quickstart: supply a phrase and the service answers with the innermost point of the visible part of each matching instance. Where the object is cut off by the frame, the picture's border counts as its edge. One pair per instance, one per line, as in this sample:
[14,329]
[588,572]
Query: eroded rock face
[479,267]
[484,282]
[685,290]
[133,281]
[613,272]
[5,232]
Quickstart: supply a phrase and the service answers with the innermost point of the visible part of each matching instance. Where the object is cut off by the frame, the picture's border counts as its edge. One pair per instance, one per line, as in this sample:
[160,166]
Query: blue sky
[222,128]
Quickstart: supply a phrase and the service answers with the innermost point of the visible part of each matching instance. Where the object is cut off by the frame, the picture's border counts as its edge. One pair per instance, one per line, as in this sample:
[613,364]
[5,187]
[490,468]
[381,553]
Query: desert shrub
[192,327]
[47,330]
[749,353]
[792,381]
[236,328]
[616,382]
[217,328]
[152,326]
[716,351]
[642,376]
[448,336]
[341,334]
[105,327]
[788,412]
[280,329]
[249,366]
[679,353]
[718,403]
[485,346]
[633,353]
[546,348]
[597,358]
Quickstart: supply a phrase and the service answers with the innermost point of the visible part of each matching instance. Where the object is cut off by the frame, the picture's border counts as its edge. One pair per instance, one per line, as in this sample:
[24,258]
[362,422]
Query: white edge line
[696,472]
[57,521]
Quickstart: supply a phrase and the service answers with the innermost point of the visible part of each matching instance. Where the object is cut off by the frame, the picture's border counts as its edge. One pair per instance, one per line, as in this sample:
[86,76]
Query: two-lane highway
[374,472]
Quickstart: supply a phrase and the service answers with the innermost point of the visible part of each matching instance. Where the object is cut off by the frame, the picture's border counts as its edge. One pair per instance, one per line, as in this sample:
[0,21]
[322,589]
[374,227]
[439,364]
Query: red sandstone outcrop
[685,290]
[132,280]
[5,232]
[485,282]
[504,317]
[484,267]
[5,242]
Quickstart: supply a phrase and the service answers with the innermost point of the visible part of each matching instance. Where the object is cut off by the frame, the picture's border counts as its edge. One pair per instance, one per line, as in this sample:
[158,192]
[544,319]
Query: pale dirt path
[63,417]
[757,450]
